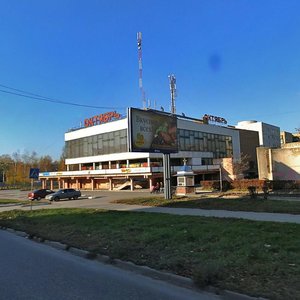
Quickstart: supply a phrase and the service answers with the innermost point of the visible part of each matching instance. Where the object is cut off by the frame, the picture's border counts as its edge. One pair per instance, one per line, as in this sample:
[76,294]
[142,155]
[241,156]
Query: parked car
[64,194]
[39,194]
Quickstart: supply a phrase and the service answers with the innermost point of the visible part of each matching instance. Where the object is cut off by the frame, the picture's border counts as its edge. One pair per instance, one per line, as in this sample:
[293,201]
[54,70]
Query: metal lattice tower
[139,44]
[172,81]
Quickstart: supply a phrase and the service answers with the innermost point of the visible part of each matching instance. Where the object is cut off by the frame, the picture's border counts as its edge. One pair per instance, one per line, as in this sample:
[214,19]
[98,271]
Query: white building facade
[97,157]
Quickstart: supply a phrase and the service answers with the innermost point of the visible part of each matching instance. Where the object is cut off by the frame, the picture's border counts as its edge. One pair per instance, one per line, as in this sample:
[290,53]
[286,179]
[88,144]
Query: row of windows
[105,143]
[220,145]
[116,142]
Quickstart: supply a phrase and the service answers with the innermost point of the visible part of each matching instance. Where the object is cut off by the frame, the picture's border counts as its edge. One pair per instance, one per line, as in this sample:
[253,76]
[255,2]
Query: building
[269,135]
[287,137]
[279,164]
[249,141]
[97,156]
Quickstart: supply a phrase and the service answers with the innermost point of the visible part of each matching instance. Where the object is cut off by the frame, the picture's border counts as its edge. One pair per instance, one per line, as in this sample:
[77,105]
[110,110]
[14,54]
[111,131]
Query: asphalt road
[31,270]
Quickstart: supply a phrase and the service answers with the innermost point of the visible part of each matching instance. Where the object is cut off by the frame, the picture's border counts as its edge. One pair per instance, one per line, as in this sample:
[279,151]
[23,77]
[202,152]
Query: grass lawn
[235,204]
[12,201]
[255,258]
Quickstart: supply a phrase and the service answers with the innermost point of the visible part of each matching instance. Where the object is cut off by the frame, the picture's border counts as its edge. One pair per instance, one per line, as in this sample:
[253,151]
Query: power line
[47,99]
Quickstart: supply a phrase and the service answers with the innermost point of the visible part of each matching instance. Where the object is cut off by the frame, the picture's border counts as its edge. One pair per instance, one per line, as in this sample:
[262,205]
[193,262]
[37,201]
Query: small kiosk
[185,181]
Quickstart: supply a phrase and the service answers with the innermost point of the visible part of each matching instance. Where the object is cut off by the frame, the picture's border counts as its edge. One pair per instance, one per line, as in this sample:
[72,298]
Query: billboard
[152,131]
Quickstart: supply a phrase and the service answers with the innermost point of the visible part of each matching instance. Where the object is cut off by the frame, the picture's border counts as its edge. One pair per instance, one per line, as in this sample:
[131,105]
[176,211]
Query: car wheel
[56,199]
[76,197]
[38,198]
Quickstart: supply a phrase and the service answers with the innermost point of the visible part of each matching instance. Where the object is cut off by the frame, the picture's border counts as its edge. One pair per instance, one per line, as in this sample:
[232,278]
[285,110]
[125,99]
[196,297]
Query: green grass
[256,258]
[234,204]
[12,201]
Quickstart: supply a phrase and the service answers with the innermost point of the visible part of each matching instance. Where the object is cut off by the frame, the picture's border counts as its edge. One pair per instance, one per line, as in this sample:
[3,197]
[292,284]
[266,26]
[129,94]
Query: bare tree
[242,165]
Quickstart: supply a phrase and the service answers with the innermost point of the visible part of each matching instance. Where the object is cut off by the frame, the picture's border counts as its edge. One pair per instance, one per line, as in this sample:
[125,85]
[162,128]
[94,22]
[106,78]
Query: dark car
[64,194]
[39,194]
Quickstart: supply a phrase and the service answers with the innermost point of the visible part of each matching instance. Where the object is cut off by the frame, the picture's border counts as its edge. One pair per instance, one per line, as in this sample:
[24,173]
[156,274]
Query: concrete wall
[279,164]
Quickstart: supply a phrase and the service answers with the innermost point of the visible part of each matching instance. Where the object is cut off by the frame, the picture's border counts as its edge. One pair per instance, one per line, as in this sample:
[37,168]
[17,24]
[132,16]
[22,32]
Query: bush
[215,185]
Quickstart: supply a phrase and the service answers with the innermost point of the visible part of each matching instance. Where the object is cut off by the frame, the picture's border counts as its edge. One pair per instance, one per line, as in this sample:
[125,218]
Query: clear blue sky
[236,59]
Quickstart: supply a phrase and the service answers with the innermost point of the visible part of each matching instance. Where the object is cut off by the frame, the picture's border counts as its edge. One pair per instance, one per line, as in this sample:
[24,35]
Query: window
[106,143]
[190,140]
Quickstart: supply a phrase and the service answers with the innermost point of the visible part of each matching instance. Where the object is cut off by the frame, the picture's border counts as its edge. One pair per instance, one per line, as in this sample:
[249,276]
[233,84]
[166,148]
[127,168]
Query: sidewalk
[255,216]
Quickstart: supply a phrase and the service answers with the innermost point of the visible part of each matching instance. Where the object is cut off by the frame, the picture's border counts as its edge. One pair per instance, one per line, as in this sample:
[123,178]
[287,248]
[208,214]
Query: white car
[64,194]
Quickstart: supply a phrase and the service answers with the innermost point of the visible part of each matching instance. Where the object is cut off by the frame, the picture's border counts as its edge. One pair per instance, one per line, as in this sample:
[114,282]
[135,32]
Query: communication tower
[139,44]
[172,81]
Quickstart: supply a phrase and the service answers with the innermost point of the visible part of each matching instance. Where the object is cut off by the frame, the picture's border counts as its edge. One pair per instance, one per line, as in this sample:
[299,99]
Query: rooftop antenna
[172,81]
[139,44]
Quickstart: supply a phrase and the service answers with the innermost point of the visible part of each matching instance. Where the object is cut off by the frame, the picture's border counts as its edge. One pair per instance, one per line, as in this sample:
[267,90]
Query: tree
[46,163]
[242,165]
[17,161]
[5,164]
[61,162]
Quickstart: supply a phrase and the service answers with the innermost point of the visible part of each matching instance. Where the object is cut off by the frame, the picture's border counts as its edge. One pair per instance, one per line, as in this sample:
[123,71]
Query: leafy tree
[61,162]
[15,169]
[5,165]
[46,163]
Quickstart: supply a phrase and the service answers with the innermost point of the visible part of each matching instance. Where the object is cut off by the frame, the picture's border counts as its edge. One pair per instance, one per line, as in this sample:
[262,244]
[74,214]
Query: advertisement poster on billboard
[152,131]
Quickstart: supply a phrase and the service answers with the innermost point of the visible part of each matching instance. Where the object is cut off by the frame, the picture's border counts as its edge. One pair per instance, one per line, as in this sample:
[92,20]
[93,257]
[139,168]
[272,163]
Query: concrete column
[150,183]
[94,166]
[118,165]
[51,184]
[68,167]
[271,165]
[148,161]
[109,164]
[127,163]
[59,183]
[77,184]
[110,184]
[79,167]
[92,183]
[131,184]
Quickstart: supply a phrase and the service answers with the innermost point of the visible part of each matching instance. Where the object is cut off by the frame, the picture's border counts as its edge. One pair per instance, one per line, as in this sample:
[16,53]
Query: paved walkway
[102,200]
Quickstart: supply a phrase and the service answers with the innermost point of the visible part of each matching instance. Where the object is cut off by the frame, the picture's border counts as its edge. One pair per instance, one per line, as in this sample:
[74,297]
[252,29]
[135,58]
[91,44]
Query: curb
[78,252]
[56,245]
[177,280]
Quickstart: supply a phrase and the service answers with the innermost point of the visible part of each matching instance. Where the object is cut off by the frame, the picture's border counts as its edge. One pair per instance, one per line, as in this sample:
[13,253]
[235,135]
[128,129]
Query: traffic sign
[34,173]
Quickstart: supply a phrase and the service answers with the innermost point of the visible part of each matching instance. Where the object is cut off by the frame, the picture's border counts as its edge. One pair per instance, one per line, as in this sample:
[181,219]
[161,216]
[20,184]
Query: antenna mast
[172,81]
[139,44]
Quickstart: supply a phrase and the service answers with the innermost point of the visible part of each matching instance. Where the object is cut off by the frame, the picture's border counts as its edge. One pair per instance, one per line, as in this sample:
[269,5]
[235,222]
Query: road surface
[31,270]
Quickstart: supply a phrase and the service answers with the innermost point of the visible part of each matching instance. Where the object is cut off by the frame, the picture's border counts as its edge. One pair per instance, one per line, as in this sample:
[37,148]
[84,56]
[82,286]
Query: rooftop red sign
[102,118]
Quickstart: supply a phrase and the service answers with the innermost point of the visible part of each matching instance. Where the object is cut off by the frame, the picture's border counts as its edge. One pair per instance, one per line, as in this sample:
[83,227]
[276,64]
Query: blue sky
[236,59]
